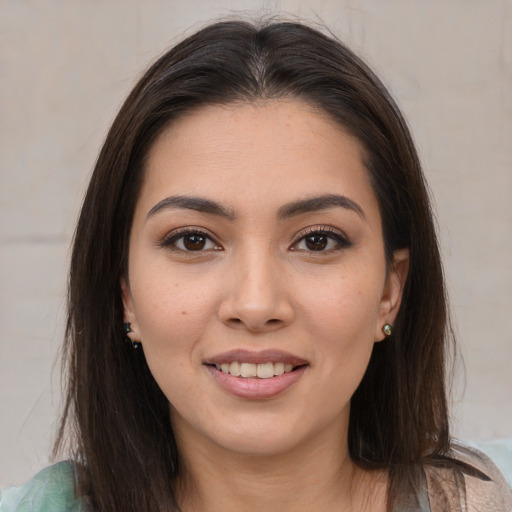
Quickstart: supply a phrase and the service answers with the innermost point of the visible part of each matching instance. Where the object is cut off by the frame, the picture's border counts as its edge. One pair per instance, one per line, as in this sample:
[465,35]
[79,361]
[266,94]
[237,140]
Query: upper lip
[256,357]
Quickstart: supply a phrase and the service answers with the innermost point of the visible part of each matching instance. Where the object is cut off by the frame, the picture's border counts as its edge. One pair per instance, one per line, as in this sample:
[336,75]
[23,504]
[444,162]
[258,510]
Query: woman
[258,229]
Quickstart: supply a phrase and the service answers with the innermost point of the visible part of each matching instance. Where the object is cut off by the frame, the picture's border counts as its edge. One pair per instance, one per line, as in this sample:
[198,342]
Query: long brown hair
[116,418]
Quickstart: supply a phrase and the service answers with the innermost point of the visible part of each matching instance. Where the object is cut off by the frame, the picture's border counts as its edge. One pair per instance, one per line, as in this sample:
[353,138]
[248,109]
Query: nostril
[272,323]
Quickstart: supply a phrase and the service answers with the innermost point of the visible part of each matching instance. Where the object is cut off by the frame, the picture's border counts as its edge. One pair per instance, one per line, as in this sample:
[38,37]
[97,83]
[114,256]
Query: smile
[261,371]
[256,375]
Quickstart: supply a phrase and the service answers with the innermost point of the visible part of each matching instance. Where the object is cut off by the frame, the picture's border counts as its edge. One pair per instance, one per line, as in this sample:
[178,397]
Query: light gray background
[65,67]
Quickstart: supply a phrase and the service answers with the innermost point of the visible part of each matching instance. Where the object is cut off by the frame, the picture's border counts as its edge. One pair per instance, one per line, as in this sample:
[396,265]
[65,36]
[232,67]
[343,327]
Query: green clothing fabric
[51,490]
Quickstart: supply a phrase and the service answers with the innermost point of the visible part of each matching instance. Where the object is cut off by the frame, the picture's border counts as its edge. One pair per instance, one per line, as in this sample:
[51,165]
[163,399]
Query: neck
[316,476]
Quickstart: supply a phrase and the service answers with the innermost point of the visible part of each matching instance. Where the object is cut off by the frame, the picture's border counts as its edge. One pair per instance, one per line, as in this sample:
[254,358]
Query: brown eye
[194,242]
[191,241]
[321,240]
[316,242]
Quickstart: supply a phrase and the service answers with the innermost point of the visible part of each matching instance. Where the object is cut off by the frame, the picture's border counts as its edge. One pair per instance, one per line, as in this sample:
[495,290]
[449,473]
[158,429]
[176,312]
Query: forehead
[276,150]
[263,124]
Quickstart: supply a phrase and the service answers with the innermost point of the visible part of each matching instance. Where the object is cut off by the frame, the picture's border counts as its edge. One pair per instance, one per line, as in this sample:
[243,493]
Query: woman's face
[257,280]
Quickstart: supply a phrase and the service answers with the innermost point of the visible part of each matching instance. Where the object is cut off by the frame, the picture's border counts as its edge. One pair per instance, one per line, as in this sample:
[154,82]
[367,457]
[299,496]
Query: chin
[261,433]
[260,443]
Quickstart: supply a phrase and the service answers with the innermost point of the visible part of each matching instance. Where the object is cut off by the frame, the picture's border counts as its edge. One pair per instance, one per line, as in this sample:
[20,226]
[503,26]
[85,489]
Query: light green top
[51,490]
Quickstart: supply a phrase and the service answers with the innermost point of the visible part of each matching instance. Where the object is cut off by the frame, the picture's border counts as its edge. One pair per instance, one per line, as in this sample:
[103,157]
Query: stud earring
[127,327]
[387,329]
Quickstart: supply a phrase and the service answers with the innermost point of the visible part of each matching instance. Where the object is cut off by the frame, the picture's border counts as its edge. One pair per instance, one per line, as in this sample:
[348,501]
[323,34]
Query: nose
[256,296]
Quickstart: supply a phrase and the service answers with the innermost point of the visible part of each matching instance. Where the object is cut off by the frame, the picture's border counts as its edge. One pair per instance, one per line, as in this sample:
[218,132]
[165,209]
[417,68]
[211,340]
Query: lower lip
[253,388]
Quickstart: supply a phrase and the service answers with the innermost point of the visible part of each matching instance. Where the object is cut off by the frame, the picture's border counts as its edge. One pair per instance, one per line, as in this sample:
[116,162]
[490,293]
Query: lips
[256,375]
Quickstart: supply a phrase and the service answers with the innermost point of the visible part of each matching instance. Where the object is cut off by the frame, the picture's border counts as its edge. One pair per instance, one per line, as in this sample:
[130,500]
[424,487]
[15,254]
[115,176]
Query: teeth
[279,368]
[265,371]
[234,368]
[247,370]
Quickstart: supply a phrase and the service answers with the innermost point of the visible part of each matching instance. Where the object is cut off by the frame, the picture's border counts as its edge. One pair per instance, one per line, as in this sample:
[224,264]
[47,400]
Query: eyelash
[172,240]
[340,240]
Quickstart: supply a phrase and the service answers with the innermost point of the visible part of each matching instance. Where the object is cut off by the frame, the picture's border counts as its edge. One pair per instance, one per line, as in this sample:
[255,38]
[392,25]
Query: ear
[129,311]
[392,293]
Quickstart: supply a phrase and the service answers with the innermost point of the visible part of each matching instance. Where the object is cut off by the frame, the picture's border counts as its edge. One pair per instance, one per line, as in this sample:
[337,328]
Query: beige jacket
[467,490]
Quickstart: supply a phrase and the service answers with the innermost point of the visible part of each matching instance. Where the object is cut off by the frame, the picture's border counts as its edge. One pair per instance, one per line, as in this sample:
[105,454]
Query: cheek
[342,322]
[172,319]
[346,304]
[172,313]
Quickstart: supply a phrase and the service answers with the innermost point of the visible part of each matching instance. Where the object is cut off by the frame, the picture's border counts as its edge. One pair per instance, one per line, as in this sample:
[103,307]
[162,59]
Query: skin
[256,284]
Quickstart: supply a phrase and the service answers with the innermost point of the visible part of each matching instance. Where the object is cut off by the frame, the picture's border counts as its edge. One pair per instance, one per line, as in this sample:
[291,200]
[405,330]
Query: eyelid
[337,234]
[171,237]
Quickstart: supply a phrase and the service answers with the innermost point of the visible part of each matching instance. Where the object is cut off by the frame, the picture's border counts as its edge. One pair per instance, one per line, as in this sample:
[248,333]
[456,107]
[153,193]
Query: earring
[387,329]
[127,327]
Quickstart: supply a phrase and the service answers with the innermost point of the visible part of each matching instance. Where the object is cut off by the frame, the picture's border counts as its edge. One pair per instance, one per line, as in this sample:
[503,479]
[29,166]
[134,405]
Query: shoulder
[483,494]
[472,480]
[52,489]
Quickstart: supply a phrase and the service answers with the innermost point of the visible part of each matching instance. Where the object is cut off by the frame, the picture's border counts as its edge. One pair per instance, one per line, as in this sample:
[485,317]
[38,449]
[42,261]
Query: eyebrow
[286,211]
[323,202]
[198,204]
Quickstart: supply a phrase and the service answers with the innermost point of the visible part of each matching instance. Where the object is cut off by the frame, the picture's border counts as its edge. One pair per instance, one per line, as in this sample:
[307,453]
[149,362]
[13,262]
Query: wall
[66,66]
